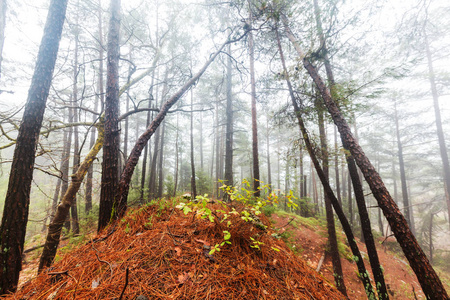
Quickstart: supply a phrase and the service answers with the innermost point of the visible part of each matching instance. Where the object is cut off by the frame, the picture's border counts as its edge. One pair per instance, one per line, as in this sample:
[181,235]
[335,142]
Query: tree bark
[429,280]
[110,165]
[55,227]
[15,212]
[161,160]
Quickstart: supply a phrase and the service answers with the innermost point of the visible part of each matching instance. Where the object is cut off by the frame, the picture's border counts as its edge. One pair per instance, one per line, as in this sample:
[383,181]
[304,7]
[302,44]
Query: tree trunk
[429,280]
[76,146]
[177,161]
[98,97]
[110,164]
[218,166]
[229,127]
[333,250]
[337,208]
[15,212]
[193,185]
[55,227]
[406,204]
[367,229]
[255,165]
[269,171]
[143,139]
[439,130]
[161,160]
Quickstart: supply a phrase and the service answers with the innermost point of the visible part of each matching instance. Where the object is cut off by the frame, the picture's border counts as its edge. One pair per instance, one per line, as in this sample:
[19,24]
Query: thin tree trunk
[176,161]
[269,171]
[229,126]
[336,167]
[98,97]
[55,227]
[367,229]
[161,160]
[332,239]
[66,167]
[218,165]
[255,155]
[406,204]
[110,165]
[429,280]
[16,207]
[338,209]
[193,185]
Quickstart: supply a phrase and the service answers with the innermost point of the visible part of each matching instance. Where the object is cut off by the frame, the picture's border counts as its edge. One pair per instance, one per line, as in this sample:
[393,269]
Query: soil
[311,243]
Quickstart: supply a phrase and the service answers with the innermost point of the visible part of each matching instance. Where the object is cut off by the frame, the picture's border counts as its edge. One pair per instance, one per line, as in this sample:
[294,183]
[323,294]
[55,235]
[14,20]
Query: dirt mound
[158,252]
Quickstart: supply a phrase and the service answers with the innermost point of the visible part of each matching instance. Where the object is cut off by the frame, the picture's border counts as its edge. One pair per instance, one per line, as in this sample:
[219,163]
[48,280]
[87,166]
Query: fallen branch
[319,265]
[126,283]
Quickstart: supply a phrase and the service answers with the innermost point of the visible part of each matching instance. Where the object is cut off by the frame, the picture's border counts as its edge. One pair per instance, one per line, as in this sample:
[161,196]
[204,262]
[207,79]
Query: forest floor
[176,243]
[307,237]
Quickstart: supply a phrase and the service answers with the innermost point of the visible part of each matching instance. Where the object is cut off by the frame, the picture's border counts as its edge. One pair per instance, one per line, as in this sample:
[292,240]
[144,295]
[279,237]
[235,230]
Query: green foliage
[203,183]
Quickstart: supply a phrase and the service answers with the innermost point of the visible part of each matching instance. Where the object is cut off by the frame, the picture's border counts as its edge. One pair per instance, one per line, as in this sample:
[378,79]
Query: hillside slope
[307,237]
[158,252]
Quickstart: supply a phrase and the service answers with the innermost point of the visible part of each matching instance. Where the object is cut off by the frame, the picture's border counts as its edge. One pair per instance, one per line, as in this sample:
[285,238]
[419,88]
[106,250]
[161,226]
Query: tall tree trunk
[98,97]
[76,146]
[336,167]
[60,179]
[439,130]
[255,155]
[269,171]
[337,208]
[429,280]
[143,139]
[218,165]
[66,166]
[229,126]
[55,227]
[193,185]
[177,161]
[333,250]
[15,212]
[110,164]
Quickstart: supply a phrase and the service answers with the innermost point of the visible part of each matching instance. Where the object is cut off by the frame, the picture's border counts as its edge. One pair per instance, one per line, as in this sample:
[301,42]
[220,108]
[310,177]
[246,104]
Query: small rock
[141,297]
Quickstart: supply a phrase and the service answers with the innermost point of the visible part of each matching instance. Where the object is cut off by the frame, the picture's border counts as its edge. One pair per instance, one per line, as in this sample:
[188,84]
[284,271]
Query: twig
[414,292]
[173,237]
[386,238]
[319,265]
[103,261]
[96,240]
[126,283]
[288,223]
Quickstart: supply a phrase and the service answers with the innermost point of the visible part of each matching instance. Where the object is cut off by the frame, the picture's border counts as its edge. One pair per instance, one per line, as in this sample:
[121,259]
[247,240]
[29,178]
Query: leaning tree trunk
[133,159]
[15,212]
[429,280]
[367,230]
[55,227]
[332,239]
[365,280]
[110,163]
